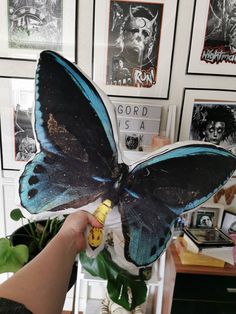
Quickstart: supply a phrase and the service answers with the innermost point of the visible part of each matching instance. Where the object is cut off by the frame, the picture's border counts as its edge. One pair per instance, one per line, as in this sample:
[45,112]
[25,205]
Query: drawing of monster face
[138,36]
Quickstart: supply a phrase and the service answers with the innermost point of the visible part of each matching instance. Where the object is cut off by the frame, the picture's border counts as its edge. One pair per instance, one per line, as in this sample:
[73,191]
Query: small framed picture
[207,216]
[209,116]
[18,142]
[133,46]
[28,27]
[229,222]
[213,46]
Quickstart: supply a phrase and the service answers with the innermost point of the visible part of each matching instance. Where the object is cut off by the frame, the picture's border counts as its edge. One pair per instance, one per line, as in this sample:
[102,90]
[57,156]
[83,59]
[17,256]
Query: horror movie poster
[133,43]
[215,123]
[35,24]
[220,37]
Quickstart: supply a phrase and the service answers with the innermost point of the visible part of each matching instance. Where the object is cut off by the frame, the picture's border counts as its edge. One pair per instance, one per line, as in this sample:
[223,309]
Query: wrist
[67,241]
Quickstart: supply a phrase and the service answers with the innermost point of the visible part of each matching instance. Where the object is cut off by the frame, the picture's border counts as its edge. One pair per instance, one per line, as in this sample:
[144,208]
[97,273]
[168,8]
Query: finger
[92,220]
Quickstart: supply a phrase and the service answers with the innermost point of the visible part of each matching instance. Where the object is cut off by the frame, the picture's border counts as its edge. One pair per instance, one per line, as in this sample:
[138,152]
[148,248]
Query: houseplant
[26,242]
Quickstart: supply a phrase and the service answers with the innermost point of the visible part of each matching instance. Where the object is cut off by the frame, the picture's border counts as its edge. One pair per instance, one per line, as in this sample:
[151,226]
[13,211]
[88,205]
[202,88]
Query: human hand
[74,227]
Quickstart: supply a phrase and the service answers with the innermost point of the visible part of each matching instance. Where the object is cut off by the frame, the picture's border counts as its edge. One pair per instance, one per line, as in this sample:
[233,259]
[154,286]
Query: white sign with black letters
[138,123]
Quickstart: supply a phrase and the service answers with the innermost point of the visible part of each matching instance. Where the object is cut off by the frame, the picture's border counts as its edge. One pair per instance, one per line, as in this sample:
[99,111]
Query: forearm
[42,284]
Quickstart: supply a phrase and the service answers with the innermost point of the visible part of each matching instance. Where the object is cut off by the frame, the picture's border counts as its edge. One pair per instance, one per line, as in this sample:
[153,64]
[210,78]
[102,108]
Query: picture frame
[229,222]
[27,29]
[18,142]
[138,123]
[124,67]
[208,110]
[212,44]
[208,237]
[208,215]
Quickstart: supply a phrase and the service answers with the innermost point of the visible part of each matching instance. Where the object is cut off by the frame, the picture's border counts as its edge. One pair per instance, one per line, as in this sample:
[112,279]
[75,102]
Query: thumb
[92,220]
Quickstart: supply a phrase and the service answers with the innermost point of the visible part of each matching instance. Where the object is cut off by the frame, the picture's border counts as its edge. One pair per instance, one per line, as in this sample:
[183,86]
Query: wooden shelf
[174,266]
[228,270]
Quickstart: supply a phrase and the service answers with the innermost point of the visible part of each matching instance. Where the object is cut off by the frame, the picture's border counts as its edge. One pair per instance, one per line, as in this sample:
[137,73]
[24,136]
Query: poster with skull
[133,43]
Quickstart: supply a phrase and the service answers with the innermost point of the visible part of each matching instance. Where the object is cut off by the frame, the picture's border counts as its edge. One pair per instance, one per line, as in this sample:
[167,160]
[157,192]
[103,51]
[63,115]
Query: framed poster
[209,116]
[18,142]
[133,47]
[207,216]
[213,38]
[229,222]
[30,26]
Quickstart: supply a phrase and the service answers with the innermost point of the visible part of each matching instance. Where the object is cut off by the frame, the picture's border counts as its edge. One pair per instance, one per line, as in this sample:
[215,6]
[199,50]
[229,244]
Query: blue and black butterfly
[79,161]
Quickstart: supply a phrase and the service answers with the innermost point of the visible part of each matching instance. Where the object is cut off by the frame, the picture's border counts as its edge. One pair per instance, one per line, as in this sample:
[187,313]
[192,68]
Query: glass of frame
[133,47]
[209,116]
[18,142]
[213,43]
[207,216]
[30,27]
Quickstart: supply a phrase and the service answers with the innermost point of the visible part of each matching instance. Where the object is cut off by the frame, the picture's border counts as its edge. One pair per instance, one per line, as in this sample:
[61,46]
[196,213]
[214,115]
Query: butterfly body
[79,161]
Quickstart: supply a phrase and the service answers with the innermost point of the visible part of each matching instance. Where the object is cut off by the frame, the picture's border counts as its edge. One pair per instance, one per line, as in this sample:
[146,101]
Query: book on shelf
[190,258]
[210,242]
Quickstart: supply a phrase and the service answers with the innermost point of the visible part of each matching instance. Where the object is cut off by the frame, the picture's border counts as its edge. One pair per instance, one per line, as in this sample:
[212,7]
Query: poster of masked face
[131,47]
[133,43]
[213,44]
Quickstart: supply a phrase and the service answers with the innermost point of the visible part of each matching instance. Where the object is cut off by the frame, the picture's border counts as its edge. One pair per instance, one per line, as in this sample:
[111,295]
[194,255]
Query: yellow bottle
[95,236]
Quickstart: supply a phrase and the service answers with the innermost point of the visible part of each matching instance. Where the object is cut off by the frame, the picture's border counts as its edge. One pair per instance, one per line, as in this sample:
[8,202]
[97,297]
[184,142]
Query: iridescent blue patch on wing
[100,179]
[135,195]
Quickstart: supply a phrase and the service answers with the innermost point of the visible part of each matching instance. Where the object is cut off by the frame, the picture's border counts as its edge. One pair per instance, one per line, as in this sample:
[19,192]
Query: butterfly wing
[77,134]
[163,187]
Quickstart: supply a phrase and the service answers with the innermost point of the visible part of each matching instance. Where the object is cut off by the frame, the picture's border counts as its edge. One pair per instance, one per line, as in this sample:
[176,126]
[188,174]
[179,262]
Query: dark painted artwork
[214,122]
[220,37]
[133,43]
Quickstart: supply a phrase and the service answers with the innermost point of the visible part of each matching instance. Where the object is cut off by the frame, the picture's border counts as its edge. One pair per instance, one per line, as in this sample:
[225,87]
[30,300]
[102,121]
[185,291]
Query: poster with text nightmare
[220,36]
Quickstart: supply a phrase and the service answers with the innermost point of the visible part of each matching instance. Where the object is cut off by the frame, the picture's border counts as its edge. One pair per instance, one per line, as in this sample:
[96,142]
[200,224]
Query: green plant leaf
[124,288]
[12,258]
[16,214]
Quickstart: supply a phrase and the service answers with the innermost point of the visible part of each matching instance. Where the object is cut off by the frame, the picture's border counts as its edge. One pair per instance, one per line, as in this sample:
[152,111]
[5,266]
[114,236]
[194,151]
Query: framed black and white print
[207,216]
[18,143]
[133,46]
[229,222]
[209,116]
[30,26]
[213,38]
